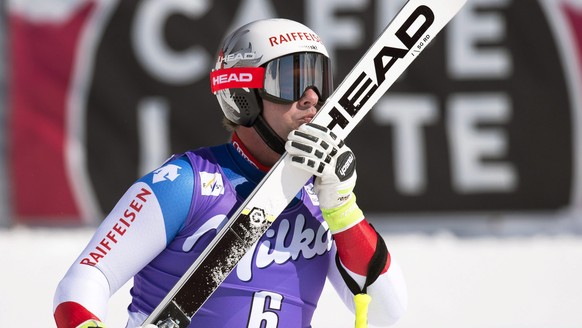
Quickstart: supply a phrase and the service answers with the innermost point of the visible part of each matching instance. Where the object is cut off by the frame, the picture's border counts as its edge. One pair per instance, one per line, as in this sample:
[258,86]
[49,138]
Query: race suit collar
[240,147]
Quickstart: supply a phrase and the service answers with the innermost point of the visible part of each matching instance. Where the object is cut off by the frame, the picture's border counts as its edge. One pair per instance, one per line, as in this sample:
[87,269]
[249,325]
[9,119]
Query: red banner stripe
[42,55]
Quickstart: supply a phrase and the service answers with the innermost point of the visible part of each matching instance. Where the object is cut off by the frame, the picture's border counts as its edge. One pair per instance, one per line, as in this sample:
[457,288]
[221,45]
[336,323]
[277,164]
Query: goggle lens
[287,78]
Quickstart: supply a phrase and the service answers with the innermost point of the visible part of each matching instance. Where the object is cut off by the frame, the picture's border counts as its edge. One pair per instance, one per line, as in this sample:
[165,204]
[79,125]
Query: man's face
[284,118]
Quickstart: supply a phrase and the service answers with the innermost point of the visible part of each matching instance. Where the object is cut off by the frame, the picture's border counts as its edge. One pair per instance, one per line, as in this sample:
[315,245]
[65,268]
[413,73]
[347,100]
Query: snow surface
[486,282]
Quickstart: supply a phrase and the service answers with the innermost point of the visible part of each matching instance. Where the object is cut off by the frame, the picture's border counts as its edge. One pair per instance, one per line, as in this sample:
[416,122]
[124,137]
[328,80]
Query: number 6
[263,310]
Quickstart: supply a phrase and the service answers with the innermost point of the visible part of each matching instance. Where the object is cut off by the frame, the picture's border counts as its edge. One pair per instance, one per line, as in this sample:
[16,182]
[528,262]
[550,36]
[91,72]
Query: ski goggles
[288,77]
[282,80]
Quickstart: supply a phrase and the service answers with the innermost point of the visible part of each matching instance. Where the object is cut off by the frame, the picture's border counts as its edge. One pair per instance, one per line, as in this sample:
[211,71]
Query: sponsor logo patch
[211,184]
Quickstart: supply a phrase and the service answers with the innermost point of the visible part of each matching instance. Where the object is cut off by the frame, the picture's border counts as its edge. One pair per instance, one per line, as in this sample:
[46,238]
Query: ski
[407,35]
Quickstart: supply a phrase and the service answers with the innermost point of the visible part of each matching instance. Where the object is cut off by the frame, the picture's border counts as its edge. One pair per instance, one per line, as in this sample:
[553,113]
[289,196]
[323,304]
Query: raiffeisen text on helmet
[293,36]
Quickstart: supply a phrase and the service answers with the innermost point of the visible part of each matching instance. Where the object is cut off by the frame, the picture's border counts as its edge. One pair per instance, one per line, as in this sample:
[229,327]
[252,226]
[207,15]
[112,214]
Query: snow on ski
[408,34]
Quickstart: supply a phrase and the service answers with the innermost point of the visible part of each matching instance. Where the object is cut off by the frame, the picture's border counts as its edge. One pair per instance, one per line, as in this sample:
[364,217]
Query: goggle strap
[237,77]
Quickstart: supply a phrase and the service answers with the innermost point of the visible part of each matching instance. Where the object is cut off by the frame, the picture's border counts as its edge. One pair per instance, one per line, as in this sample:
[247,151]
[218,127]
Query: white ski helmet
[276,59]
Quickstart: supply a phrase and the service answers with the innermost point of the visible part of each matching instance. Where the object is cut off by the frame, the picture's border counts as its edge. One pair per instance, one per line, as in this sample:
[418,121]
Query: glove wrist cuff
[343,217]
[91,324]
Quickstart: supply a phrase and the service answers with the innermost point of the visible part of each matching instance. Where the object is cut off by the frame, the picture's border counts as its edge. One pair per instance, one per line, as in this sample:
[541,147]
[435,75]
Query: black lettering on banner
[351,104]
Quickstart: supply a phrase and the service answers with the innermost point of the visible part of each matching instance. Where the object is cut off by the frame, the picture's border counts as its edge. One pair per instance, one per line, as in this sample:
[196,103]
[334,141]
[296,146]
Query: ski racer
[270,78]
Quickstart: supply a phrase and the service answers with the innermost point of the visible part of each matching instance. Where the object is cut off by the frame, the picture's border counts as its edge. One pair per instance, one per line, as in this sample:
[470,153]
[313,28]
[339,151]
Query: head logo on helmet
[231,55]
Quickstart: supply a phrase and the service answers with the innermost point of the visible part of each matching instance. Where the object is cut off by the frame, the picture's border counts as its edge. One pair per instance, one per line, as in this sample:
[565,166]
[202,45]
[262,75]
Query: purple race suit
[166,219]
[276,284]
